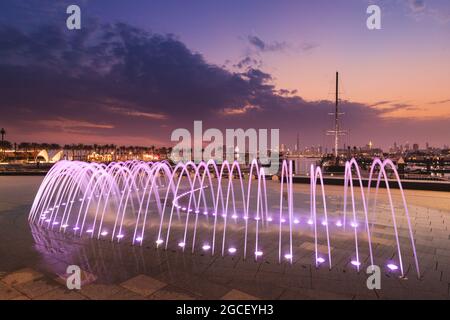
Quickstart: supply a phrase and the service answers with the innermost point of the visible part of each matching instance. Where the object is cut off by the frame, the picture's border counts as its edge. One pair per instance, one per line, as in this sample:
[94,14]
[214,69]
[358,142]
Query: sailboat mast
[336,131]
[336,119]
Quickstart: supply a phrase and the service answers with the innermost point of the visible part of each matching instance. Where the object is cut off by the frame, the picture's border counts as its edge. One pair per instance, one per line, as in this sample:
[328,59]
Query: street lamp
[3,132]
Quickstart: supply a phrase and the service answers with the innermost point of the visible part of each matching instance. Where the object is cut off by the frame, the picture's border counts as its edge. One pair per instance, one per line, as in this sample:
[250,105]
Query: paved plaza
[34,260]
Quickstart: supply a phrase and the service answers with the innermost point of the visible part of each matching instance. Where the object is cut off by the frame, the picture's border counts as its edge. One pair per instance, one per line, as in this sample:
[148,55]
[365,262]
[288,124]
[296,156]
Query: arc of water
[354,163]
[206,173]
[184,170]
[135,184]
[253,166]
[284,175]
[291,210]
[382,173]
[316,173]
[230,189]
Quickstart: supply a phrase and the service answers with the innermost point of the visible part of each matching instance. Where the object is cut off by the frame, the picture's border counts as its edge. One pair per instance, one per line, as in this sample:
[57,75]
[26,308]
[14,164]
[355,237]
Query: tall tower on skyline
[336,132]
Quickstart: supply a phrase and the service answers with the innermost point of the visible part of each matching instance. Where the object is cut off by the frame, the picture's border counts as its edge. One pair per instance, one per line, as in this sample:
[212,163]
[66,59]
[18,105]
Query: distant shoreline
[337,181]
[393,184]
[23,173]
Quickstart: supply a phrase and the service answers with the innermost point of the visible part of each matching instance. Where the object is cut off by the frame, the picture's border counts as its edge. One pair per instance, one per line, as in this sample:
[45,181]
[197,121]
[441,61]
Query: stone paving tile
[21,276]
[446,276]
[323,249]
[21,297]
[125,294]
[336,274]
[35,288]
[421,249]
[248,265]
[225,275]
[195,264]
[263,288]
[443,260]
[443,252]
[200,286]
[273,266]
[377,240]
[299,270]
[86,277]
[172,293]
[431,275]
[369,295]
[225,262]
[294,294]
[7,293]
[143,285]
[199,275]
[415,285]
[284,281]
[343,287]
[310,294]
[97,291]
[220,280]
[235,294]
[407,294]
[61,294]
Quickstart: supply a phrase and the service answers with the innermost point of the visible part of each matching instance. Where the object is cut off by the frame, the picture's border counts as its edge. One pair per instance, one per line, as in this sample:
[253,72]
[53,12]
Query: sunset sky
[138,70]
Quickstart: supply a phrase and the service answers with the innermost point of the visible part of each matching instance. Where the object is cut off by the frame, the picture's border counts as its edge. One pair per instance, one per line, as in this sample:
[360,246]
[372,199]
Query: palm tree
[72,148]
[2,146]
[24,146]
[55,146]
[3,132]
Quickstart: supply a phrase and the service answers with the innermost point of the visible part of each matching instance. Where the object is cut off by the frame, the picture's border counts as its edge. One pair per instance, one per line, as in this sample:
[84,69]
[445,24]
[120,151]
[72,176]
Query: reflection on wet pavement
[34,260]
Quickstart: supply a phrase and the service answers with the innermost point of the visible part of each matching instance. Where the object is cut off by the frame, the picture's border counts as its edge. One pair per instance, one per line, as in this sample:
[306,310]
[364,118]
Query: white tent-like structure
[55,158]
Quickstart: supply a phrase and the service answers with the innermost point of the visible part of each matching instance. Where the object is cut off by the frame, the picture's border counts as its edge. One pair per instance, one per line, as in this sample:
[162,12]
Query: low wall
[406,184]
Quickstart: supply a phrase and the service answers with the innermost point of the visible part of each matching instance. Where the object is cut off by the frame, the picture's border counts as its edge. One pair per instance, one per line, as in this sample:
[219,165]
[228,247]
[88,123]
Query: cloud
[63,123]
[441,16]
[309,46]
[119,83]
[440,101]
[263,46]
[248,62]
[421,8]
[240,111]
[134,113]
[417,5]
[391,107]
[380,103]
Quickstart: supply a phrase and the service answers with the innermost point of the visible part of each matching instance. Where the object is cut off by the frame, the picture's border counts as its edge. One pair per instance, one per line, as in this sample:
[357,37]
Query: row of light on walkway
[234,216]
[269,219]
[288,256]
[231,250]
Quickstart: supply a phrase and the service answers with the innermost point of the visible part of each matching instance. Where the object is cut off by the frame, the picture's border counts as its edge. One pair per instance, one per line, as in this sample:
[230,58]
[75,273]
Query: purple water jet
[148,201]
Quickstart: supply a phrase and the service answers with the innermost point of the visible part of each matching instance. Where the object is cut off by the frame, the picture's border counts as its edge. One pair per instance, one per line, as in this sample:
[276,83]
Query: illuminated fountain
[215,209]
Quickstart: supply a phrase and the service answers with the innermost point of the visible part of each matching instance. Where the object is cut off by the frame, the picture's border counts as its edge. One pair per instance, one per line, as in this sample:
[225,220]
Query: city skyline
[133,74]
